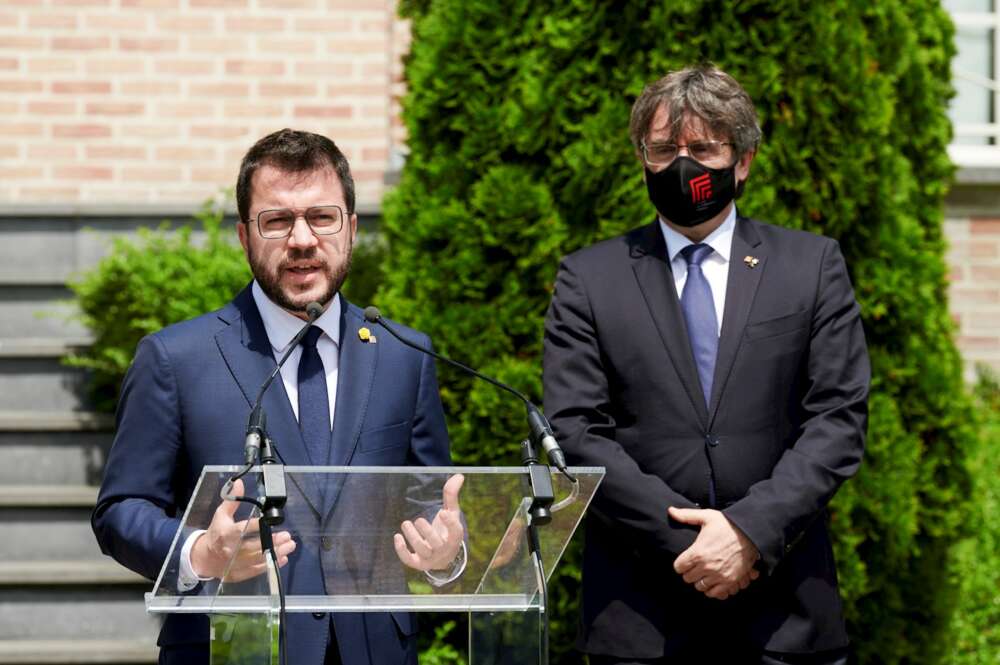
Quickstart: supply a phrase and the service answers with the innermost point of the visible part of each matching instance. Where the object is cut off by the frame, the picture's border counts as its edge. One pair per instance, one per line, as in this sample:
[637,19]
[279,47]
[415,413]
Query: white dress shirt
[715,267]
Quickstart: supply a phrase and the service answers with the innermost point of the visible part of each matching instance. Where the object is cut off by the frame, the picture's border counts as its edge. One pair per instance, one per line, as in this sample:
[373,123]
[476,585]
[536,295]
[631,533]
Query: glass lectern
[343,520]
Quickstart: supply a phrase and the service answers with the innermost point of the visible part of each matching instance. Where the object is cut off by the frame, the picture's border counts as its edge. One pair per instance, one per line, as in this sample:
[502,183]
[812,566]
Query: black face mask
[688,193]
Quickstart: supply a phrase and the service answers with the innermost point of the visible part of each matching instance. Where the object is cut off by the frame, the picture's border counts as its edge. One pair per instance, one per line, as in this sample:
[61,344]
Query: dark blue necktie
[699,314]
[314,404]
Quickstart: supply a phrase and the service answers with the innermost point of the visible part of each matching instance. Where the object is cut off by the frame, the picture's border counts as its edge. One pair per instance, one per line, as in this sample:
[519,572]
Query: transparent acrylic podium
[343,520]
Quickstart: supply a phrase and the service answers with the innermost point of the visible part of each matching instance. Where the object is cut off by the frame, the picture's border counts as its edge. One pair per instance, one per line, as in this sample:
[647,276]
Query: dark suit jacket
[784,429]
[184,405]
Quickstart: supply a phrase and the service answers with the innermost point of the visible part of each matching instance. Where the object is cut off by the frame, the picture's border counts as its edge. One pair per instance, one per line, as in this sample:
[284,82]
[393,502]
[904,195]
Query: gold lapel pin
[366,336]
[751,261]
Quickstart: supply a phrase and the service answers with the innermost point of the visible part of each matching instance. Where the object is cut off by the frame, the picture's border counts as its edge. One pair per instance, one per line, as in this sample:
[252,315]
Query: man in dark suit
[716,366]
[341,399]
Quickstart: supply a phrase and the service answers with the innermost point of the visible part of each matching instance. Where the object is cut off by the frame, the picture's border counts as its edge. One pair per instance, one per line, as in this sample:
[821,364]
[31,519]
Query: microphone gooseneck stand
[271,506]
[539,475]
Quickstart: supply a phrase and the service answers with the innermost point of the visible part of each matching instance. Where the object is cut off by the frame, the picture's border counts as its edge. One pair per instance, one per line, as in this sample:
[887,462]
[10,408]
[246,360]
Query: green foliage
[517,116]
[975,625]
[166,275]
[145,284]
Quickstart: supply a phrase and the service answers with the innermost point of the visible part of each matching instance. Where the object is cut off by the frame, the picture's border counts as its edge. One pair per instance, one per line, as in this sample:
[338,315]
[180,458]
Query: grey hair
[704,92]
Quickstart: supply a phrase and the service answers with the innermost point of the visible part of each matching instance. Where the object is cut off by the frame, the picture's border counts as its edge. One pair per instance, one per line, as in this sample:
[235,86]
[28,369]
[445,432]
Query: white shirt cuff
[457,568]
[187,579]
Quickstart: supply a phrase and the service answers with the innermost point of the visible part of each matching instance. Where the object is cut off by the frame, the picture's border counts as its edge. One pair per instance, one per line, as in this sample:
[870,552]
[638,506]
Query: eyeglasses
[662,154]
[322,220]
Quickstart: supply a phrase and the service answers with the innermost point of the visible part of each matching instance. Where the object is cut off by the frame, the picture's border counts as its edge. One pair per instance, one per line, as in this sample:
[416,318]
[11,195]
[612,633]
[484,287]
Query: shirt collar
[281,326]
[721,239]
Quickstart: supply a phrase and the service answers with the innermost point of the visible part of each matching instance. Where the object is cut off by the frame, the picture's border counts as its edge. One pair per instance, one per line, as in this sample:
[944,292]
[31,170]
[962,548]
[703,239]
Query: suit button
[712,440]
[326,542]
[319,615]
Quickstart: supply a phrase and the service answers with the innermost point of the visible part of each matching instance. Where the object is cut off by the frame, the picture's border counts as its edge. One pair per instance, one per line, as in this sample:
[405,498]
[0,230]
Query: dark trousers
[713,656]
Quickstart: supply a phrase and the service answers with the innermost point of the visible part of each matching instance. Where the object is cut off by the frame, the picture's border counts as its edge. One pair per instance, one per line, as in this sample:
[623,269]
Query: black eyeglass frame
[305,216]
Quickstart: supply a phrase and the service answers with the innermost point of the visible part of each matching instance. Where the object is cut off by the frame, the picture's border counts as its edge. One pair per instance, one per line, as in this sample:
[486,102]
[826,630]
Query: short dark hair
[705,92]
[294,152]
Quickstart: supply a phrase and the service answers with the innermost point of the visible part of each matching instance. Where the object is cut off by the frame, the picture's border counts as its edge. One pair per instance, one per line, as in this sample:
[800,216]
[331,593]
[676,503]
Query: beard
[270,278]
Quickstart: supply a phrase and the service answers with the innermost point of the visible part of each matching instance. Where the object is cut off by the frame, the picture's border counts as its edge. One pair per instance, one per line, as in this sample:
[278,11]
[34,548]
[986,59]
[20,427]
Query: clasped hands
[720,562]
[422,545]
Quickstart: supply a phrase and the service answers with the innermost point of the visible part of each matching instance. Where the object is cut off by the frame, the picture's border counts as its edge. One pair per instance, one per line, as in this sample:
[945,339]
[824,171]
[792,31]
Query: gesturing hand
[228,540]
[720,561]
[433,545]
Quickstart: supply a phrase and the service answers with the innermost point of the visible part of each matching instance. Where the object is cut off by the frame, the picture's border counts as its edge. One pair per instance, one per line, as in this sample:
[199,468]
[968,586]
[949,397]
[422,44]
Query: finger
[686,561]
[405,555]
[694,574]
[687,515]
[415,540]
[452,524]
[449,495]
[248,527]
[427,532]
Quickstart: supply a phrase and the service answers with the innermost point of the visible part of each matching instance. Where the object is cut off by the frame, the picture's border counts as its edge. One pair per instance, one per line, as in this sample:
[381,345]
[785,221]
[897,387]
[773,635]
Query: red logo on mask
[701,188]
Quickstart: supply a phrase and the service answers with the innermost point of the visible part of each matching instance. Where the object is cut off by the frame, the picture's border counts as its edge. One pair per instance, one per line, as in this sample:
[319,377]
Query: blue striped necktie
[699,314]
[314,403]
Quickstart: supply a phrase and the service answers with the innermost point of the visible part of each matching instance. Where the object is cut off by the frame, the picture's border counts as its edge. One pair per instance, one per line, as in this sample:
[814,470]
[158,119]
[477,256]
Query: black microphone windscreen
[372,315]
[314,310]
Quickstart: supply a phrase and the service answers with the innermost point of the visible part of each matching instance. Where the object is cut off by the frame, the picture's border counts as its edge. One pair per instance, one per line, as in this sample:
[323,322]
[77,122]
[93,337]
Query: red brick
[374,72]
[20,85]
[243,24]
[223,132]
[324,68]
[9,107]
[374,25]
[287,4]
[184,154]
[185,23]
[115,152]
[149,44]
[115,65]
[955,275]
[52,65]
[21,129]
[355,4]
[323,112]
[986,274]
[251,110]
[83,172]
[288,45]
[979,296]
[152,174]
[21,172]
[329,26]
[81,43]
[359,89]
[185,67]
[200,90]
[220,175]
[151,4]
[150,88]
[52,108]
[219,4]
[218,46]
[82,3]
[357,47]
[116,108]
[9,64]
[150,131]
[978,343]
[49,194]
[130,22]
[81,87]
[50,151]
[22,43]
[288,90]
[56,21]
[984,226]
[185,110]
[9,151]
[255,68]
[10,19]
[81,131]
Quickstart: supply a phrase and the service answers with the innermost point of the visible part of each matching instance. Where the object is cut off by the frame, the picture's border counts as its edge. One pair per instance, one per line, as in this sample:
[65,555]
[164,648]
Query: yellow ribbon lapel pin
[366,336]
[751,261]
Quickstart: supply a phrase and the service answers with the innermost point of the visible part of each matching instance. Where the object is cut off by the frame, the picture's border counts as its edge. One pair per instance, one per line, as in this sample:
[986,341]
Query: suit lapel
[741,288]
[355,375]
[656,282]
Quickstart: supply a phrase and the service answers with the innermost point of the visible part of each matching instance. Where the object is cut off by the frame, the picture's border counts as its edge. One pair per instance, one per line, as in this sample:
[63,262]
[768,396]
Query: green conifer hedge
[517,115]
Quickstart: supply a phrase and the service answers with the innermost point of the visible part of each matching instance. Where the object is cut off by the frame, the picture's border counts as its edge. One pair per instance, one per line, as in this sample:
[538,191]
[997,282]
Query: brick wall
[155,101]
[974,260]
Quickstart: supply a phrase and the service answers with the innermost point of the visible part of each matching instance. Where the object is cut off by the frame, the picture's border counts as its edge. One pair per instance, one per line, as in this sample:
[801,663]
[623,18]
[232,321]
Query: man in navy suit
[340,400]
[716,366]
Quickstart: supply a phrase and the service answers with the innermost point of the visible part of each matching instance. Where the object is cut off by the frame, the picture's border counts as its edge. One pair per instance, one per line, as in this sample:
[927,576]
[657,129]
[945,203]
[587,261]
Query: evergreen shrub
[517,116]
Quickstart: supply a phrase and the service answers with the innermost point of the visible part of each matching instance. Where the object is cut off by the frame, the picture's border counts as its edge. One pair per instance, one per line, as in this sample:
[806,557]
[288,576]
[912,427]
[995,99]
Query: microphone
[541,431]
[256,425]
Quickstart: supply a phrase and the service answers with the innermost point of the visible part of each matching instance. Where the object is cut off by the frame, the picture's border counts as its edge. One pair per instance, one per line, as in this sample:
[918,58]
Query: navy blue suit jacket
[784,428]
[184,405]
